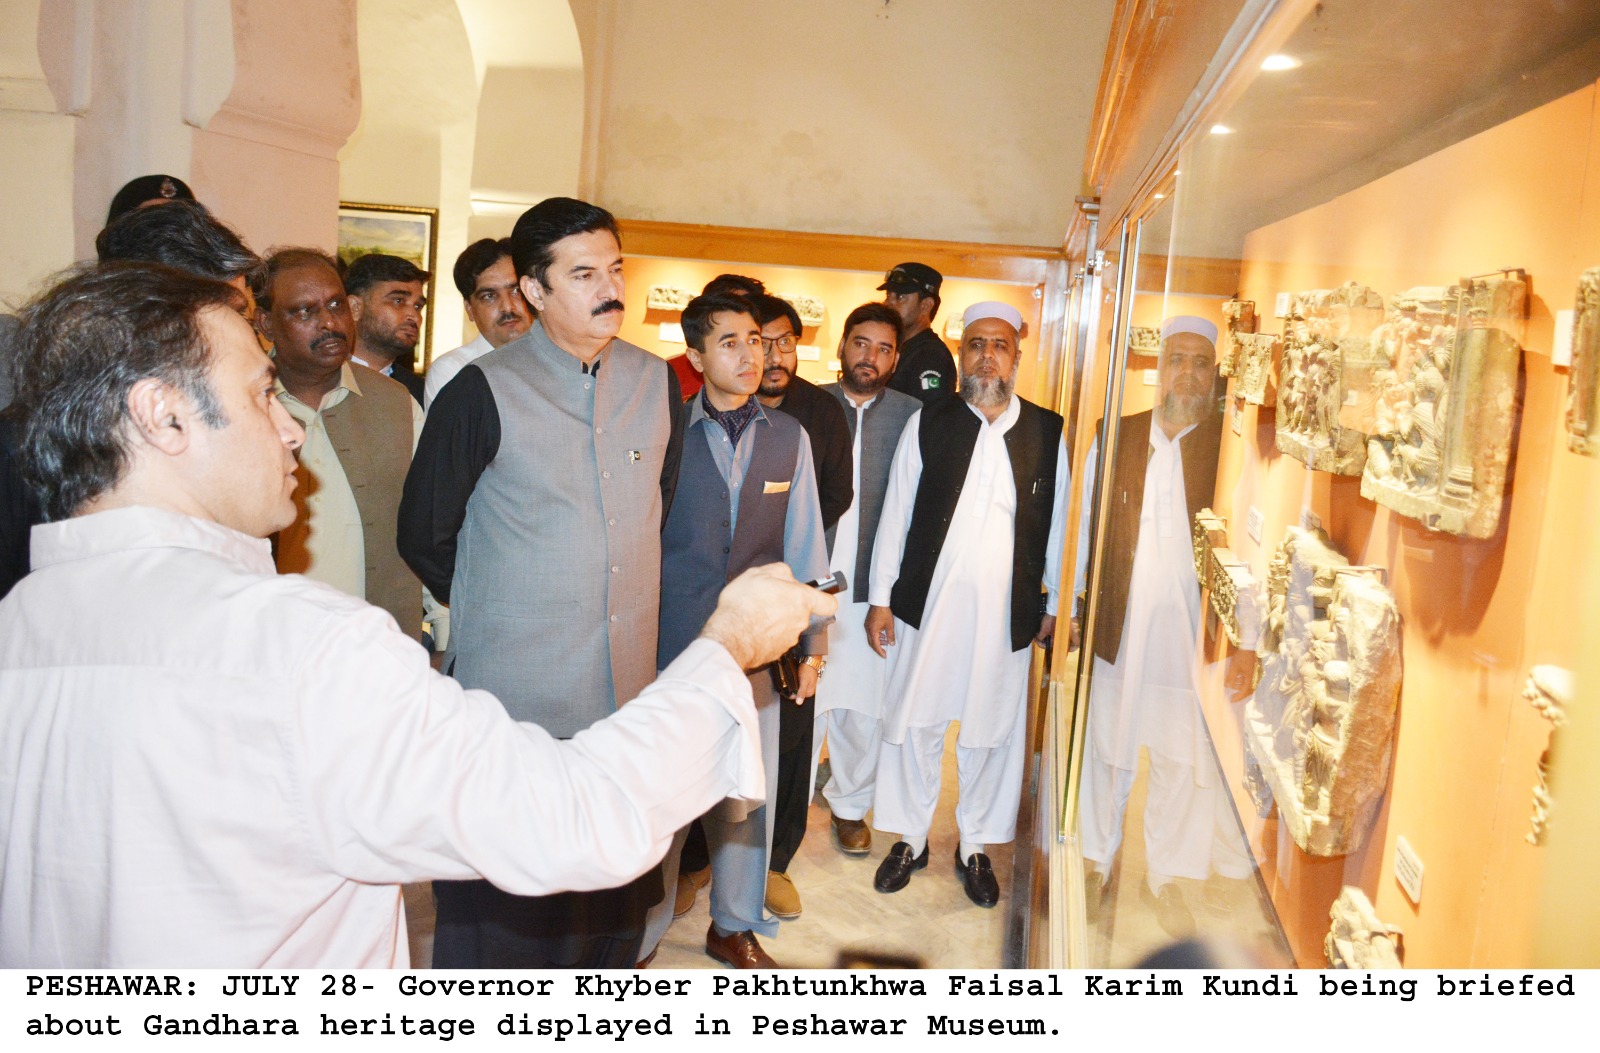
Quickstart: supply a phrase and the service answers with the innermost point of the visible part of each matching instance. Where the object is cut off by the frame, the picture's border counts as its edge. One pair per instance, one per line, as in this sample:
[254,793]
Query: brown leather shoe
[739,950]
[689,885]
[783,899]
[854,836]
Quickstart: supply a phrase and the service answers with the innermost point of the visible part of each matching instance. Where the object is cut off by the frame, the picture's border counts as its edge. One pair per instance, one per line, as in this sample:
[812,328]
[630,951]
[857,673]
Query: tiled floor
[930,921]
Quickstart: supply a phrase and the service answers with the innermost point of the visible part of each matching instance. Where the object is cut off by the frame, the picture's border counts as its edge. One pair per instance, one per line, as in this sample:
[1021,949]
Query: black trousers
[794,782]
[481,927]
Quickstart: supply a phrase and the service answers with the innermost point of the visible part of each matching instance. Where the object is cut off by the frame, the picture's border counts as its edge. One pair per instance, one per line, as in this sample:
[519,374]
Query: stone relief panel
[1325,384]
[1320,725]
[1241,318]
[1258,382]
[1550,690]
[1358,938]
[810,309]
[1144,340]
[1226,580]
[1583,391]
[668,298]
[1446,409]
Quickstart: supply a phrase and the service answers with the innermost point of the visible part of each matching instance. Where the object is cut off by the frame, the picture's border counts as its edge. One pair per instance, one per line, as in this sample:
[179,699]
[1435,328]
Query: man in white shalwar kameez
[968,533]
[850,698]
[1143,685]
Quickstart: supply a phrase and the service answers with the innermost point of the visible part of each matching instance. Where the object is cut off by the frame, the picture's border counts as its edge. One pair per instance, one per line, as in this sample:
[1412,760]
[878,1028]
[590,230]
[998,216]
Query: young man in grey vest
[746,495]
[534,508]
[964,543]
[850,703]
[360,429]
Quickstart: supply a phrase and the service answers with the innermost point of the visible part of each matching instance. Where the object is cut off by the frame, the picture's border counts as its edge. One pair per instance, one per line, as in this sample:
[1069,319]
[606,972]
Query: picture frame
[408,231]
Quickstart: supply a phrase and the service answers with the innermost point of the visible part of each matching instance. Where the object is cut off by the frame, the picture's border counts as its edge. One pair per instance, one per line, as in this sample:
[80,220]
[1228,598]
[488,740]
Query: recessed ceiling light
[1221,129]
[1278,63]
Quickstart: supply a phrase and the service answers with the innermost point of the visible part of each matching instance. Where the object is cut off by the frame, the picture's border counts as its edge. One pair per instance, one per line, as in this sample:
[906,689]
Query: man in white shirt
[207,764]
[967,535]
[487,278]
[1142,689]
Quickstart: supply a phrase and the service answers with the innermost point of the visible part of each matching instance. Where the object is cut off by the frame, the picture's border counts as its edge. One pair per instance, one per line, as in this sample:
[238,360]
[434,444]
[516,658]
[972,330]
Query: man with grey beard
[966,537]
[1142,691]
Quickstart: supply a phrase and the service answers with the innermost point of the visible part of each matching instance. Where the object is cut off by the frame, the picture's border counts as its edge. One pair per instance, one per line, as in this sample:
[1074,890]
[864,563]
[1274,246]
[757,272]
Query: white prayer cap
[1189,323]
[993,309]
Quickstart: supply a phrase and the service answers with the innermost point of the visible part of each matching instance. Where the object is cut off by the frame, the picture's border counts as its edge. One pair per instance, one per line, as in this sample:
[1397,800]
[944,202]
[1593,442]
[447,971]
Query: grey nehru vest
[557,577]
[881,425]
[700,551]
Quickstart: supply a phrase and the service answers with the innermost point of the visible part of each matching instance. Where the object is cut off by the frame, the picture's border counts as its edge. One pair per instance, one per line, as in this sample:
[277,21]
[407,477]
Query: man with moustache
[1143,692]
[487,280]
[829,433]
[360,429]
[207,764]
[746,495]
[850,699]
[534,508]
[387,295]
[965,540]
[926,370]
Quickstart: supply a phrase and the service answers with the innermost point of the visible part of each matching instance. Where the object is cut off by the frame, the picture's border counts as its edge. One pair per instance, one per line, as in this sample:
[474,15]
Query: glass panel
[1377,623]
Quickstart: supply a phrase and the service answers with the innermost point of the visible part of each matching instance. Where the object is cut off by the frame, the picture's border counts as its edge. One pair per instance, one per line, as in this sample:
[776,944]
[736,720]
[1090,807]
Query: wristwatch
[817,662]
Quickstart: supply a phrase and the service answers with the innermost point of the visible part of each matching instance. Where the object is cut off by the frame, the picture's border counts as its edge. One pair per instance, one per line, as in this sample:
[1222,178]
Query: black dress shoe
[895,870]
[978,879]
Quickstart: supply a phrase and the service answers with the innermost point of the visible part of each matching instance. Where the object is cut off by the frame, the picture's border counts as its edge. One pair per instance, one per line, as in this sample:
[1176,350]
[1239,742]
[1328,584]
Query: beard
[863,380]
[1183,410]
[774,390]
[987,392]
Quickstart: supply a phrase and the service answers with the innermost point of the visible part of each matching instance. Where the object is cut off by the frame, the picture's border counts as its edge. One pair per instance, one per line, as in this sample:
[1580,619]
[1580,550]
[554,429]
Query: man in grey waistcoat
[850,703]
[534,508]
[746,496]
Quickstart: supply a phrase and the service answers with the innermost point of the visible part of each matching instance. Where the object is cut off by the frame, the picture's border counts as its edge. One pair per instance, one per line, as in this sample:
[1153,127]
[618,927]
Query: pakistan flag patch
[930,380]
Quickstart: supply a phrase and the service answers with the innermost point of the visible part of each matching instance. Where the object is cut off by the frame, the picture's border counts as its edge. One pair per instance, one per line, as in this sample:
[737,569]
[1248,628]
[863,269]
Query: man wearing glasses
[829,431]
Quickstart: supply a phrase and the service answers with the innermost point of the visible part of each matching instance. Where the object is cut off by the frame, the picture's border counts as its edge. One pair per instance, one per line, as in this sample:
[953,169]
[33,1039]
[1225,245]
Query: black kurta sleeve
[459,440]
[831,450]
[19,510]
[674,455]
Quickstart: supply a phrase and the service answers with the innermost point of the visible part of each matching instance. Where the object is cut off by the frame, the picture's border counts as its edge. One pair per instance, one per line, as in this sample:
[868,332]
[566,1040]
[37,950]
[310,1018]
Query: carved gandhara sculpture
[1358,938]
[1583,391]
[1257,382]
[1550,690]
[1325,384]
[1144,340]
[1320,726]
[1241,318]
[1226,580]
[1446,409]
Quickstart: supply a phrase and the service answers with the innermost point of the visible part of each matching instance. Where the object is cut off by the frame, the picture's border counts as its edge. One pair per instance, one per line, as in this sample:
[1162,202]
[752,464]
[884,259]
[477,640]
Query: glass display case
[1325,562]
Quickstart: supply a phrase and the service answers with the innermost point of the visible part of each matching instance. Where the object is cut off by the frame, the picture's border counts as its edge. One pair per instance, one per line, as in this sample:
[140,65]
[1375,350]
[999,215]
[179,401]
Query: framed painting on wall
[407,231]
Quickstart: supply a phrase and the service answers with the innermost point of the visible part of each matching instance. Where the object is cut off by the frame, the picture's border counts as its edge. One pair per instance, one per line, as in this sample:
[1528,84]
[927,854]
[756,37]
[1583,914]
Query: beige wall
[414,145]
[943,119]
[530,134]
[237,99]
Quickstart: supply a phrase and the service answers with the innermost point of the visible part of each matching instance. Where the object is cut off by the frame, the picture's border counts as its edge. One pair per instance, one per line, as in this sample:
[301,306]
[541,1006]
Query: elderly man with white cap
[969,532]
[1142,692]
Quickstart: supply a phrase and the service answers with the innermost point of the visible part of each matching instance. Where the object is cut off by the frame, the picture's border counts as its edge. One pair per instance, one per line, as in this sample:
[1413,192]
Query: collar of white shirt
[143,527]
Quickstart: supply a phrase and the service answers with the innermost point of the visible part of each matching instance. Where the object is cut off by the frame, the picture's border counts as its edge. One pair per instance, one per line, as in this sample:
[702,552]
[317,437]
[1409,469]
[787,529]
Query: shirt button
[616,570]
[613,617]
[599,430]
[587,385]
[605,475]
[611,522]
[724,550]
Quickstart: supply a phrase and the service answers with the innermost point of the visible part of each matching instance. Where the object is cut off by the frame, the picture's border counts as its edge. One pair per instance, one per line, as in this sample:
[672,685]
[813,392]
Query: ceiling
[1381,84]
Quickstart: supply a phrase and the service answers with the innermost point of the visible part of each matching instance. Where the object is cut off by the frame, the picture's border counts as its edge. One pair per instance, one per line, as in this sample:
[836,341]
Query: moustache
[606,308]
[508,318]
[330,338]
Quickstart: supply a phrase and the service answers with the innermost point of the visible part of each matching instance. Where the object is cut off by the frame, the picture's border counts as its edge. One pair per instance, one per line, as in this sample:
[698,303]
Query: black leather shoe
[978,879]
[895,870]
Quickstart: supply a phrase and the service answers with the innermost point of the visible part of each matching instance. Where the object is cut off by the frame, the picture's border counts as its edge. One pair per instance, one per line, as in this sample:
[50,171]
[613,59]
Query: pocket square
[776,488]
